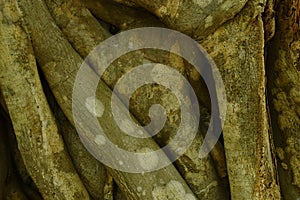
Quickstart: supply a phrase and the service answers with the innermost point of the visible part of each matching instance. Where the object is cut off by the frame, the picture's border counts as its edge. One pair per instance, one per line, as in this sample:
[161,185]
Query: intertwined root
[44,43]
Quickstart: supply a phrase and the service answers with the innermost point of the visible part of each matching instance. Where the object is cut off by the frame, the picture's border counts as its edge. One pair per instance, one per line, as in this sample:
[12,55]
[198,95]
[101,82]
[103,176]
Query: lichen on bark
[39,142]
[284,84]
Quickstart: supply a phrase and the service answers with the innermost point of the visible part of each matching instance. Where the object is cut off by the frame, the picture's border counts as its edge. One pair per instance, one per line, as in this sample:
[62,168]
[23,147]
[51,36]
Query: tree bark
[249,157]
[255,46]
[40,144]
[195,18]
[60,67]
[284,87]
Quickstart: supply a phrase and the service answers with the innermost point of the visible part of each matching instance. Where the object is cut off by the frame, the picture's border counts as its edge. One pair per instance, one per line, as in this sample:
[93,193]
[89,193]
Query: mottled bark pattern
[284,85]
[41,154]
[209,184]
[246,131]
[39,142]
[60,67]
[196,18]
[110,12]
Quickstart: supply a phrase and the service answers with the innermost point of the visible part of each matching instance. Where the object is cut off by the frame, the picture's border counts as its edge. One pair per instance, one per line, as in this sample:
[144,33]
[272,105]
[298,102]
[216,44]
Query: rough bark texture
[251,170]
[29,186]
[198,173]
[60,67]
[73,18]
[35,144]
[18,183]
[284,87]
[195,18]
[90,170]
[110,12]
[38,139]
[201,177]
